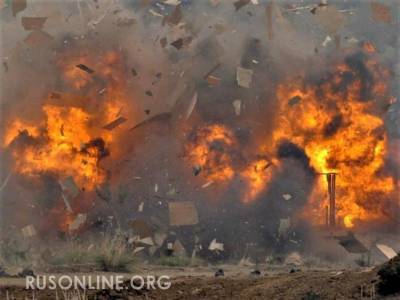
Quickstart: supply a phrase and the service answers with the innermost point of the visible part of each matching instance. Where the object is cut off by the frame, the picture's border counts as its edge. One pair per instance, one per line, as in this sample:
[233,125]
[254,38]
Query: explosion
[65,146]
[75,132]
[212,150]
[338,124]
[71,141]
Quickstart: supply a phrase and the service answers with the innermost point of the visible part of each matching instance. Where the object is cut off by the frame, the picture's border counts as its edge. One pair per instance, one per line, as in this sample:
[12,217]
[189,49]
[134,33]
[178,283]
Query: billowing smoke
[151,91]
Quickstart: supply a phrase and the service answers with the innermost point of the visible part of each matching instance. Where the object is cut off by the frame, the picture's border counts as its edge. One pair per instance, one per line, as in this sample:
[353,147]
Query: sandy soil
[238,283]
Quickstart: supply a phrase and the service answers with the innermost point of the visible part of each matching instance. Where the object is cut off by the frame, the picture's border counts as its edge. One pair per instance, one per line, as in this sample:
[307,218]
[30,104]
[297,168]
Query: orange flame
[257,175]
[340,131]
[212,148]
[70,141]
[67,132]
[209,151]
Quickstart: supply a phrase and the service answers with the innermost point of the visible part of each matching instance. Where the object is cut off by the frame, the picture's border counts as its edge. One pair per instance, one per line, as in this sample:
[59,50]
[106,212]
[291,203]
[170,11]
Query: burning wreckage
[187,143]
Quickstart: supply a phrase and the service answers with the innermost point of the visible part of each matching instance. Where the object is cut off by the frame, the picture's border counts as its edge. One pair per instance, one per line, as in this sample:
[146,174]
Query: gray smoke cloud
[272,38]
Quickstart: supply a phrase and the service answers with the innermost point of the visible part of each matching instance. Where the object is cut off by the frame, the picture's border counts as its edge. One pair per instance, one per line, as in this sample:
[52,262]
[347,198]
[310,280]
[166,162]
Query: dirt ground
[238,283]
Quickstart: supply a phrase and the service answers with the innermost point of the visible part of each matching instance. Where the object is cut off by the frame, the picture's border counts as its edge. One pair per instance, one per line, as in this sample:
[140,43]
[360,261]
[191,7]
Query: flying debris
[237,106]
[216,246]
[17,6]
[33,23]
[114,124]
[386,250]
[28,231]
[240,3]
[174,18]
[196,170]
[78,222]
[381,12]
[177,43]
[85,68]
[351,243]
[156,118]
[287,197]
[244,77]
[182,213]
[191,106]
[330,18]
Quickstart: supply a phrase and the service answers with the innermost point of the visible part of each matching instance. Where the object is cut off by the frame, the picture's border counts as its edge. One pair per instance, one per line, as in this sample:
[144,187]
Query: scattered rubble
[146,237]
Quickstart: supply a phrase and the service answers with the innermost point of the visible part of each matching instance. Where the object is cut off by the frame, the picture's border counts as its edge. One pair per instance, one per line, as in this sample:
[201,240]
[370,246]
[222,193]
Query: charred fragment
[96,148]
[295,100]
[85,68]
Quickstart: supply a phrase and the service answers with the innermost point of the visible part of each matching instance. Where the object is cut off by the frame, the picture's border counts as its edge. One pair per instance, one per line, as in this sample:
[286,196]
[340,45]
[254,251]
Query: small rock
[219,273]
[255,272]
[294,270]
